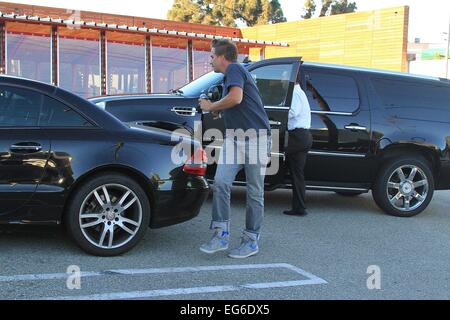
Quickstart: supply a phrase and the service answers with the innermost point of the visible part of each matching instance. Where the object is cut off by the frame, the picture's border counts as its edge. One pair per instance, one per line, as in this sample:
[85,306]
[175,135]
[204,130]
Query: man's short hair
[226,48]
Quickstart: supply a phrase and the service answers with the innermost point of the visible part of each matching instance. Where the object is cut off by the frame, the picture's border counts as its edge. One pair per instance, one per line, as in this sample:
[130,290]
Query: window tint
[57,114]
[26,108]
[273,83]
[19,107]
[396,93]
[329,92]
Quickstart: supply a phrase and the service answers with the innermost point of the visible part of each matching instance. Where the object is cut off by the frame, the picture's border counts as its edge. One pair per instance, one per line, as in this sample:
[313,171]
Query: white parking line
[311,280]
[185,291]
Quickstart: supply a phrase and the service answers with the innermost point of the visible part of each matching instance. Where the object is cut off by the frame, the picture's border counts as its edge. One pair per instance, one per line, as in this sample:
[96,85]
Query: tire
[390,185]
[348,193]
[125,216]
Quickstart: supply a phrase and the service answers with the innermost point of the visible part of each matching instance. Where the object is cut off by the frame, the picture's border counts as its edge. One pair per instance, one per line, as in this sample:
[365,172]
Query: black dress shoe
[295,213]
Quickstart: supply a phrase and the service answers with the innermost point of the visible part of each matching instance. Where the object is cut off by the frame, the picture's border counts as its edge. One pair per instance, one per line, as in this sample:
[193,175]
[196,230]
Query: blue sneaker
[247,248]
[219,242]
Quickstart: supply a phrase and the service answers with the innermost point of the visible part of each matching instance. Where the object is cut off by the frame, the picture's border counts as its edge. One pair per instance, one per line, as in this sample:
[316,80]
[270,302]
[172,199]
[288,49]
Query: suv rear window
[417,94]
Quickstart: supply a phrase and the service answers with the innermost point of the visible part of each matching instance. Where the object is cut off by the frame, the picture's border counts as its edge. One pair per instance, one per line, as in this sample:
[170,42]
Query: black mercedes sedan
[65,161]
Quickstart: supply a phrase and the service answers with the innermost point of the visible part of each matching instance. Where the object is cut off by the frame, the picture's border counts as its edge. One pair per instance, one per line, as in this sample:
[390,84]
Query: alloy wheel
[110,216]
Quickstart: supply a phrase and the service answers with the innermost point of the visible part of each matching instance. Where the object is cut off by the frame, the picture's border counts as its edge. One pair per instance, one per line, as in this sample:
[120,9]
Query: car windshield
[202,84]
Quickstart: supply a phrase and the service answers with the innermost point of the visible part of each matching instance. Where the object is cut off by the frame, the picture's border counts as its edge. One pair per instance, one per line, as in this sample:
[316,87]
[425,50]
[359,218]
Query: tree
[326,4]
[309,9]
[251,12]
[188,11]
[342,6]
[226,12]
[276,12]
[329,7]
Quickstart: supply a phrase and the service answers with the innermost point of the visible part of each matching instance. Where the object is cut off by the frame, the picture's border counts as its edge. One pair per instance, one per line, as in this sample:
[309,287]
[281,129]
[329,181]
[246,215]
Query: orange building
[92,53]
[372,39]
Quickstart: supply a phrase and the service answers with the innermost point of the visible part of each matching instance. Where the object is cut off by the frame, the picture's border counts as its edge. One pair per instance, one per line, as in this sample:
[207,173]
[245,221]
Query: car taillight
[197,164]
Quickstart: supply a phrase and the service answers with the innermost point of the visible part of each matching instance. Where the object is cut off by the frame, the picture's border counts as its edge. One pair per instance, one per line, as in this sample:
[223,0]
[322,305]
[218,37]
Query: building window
[28,51]
[169,64]
[201,58]
[126,67]
[79,61]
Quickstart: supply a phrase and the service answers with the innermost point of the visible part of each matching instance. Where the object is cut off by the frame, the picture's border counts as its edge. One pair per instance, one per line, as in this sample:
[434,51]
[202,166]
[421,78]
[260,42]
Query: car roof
[375,71]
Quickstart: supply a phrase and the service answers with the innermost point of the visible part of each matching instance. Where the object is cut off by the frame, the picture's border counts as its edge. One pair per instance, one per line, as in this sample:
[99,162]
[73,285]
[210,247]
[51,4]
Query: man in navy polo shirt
[246,146]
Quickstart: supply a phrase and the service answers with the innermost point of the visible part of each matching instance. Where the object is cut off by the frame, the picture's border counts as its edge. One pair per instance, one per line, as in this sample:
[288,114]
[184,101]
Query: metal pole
[447,49]
[2,48]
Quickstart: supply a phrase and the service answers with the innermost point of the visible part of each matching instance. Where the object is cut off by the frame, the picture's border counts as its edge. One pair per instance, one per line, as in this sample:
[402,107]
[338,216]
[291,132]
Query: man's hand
[205,105]
[216,115]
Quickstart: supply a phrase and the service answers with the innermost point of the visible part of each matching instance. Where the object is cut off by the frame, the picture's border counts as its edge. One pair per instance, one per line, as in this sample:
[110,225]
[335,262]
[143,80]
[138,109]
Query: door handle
[29,147]
[274,123]
[185,111]
[355,127]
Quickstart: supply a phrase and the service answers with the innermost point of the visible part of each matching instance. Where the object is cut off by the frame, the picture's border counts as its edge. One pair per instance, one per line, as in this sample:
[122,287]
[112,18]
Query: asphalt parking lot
[325,255]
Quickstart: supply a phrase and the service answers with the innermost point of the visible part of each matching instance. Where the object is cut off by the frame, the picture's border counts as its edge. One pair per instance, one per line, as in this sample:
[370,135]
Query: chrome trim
[241,183]
[359,128]
[276,107]
[15,147]
[337,154]
[338,188]
[185,111]
[275,123]
[331,154]
[332,113]
[213,147]
[278,154]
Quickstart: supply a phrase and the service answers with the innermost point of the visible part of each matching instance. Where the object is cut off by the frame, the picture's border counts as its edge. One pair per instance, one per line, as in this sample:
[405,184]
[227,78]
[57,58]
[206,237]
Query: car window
[273,83]
[201,85]
[396,93]
[330,92]
[21,107]
[57,114]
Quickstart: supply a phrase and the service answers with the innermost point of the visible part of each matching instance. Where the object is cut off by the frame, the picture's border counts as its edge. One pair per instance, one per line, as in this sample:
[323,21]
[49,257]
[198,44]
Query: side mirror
[215,93]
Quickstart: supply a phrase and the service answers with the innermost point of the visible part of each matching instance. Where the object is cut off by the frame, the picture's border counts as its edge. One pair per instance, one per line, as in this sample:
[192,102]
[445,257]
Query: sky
[429,19]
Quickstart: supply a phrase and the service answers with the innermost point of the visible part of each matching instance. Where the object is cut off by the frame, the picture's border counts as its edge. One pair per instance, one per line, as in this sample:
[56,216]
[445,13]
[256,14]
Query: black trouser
[299,143]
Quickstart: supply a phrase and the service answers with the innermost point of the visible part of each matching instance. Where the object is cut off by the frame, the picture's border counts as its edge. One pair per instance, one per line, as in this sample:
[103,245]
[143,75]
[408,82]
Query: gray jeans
[237,155]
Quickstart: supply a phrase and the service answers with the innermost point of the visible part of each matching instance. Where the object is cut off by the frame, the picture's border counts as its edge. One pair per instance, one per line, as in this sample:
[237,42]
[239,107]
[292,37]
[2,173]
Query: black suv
[373,130]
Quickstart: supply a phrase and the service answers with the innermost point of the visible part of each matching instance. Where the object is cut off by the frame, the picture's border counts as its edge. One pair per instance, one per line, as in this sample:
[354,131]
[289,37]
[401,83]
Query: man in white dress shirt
[299,143]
